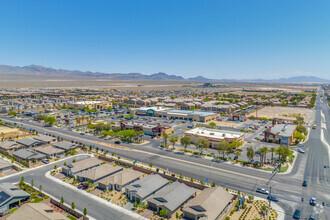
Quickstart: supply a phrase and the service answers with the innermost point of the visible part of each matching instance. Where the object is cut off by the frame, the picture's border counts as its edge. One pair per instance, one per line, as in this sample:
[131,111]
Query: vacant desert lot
[289,113]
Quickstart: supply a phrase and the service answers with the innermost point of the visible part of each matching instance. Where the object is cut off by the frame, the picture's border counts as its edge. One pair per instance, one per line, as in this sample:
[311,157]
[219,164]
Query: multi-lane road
[287,187]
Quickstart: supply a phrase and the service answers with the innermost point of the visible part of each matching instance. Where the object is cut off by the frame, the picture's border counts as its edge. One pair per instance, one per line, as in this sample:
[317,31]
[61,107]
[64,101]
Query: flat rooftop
[214,133]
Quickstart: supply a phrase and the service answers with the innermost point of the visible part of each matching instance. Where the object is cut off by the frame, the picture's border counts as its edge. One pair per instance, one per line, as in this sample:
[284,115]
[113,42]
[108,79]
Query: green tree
[212,124]
[165,136]
[62,200]
[236,144]
[73,206]
[222,147]
[250,153]
[185,142]
[32,183]
[301,129]
[298,136]
[55,167]
[173,140]
[238,153]
[50,120]
[85,211]
[202,144]
[163,213]
[22,181]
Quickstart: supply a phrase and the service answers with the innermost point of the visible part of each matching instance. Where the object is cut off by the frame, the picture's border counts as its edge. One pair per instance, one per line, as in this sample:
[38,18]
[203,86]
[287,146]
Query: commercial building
[214,136]
[173,114]
[97,105]
[11,196]
[171,198]
[152,129]
[281,134]
[211,203]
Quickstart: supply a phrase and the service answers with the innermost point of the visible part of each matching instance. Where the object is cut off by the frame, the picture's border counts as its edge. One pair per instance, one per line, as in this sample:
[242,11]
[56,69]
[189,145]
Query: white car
[301,150]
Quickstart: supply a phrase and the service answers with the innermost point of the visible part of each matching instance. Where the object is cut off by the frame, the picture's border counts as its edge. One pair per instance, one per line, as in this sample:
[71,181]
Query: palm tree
[272,150]
[165,136]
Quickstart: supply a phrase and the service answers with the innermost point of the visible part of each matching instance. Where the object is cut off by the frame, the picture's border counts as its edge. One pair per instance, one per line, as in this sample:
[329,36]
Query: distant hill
[35,70]
[303,79]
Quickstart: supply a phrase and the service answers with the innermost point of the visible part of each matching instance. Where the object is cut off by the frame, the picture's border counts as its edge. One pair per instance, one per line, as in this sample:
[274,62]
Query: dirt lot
[289,113]
[225,123]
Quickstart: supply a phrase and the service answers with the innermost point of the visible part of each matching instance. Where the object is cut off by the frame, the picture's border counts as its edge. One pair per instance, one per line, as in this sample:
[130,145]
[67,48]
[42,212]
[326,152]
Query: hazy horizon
[214,39]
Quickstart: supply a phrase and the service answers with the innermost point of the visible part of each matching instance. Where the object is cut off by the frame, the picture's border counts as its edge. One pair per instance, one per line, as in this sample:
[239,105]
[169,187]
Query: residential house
[67,146]
[30,142]
[99,172]
[143,188]
[75,168]
[119,180]
[38,211]
[5,165]
[171,198]
[11,196]
[45,139]
[28,155]
[50,151]
[211,203]
[9,146]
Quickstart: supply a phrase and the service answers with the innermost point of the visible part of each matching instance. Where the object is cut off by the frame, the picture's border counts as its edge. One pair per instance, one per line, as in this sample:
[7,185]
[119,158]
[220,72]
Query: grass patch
[283,169]
[13,210]
[71,217]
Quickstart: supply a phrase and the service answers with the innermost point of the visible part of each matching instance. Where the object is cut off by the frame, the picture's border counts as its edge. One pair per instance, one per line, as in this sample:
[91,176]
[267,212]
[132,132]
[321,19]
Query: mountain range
[36,70]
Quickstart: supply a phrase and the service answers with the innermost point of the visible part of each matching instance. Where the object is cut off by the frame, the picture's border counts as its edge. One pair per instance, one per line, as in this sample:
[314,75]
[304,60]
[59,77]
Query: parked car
[301,151]
[312,217]
[236,157]
[304,183]
[312,201]
[117,142]
[263,191]
[272,198]
[45,161]
[82,133]
[296,214]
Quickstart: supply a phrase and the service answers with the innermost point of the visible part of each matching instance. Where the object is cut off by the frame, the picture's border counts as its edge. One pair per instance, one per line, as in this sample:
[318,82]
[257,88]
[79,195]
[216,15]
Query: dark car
[312,201]
[263,191]
[296,214]
[236,157]
[312,217]
[117,142]
[304,183]
[272,198]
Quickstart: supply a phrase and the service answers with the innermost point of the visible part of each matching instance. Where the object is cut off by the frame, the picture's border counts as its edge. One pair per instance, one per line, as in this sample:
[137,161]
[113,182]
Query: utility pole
[270,185]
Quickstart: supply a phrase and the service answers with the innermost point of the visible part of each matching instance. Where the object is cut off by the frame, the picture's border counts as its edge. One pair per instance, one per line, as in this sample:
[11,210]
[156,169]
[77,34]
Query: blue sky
[216,39]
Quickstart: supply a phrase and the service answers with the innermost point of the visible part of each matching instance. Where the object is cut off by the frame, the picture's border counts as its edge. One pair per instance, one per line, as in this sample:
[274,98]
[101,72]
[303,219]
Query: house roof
[4,164]
[64,145]
[49,150]
[28,154]
[121,178]
[172,196]
[209,203]
[285,130]
[9,191]
[38,211]
[100,171]
[8,145]
[147,185]
[44,138]
[28,141]
[83,164]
